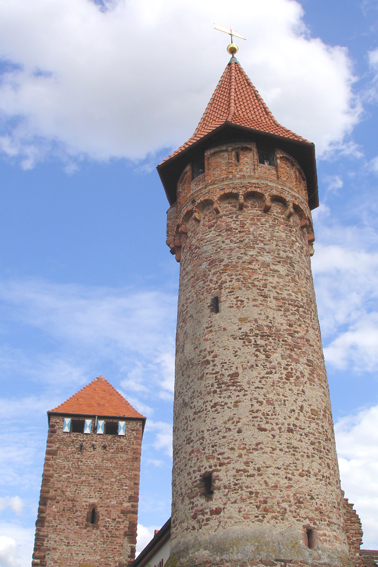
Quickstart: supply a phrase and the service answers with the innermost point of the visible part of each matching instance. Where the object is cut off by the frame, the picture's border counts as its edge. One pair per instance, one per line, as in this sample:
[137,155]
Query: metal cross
[230,32]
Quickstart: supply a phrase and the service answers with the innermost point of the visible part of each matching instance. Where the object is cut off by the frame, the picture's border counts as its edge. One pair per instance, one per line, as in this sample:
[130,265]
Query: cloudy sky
[93,95]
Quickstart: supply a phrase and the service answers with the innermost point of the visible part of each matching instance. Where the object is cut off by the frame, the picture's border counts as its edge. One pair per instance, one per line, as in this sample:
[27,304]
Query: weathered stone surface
[252,407]
[82,471]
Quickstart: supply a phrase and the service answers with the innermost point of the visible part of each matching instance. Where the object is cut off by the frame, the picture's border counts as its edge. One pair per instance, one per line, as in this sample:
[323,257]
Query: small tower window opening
[237,157]
[92,515]
[77,426]
[266,157]
[111,427]
[198,165]
[311,538]
[207,485]
[214,304]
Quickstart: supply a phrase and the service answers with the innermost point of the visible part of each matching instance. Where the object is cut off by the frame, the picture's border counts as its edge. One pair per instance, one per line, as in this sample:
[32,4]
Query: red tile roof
[98,398]
[237,101]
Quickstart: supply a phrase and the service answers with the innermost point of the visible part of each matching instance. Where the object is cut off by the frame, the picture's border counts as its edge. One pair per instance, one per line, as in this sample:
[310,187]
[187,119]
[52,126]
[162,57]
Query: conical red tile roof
[237,112]
[98,398]
[237,101]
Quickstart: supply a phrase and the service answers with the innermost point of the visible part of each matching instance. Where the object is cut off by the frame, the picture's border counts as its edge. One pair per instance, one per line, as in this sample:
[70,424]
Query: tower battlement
[239,171]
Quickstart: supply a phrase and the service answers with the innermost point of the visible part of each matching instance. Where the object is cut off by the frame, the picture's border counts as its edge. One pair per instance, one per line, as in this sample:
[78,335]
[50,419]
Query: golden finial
[232,48]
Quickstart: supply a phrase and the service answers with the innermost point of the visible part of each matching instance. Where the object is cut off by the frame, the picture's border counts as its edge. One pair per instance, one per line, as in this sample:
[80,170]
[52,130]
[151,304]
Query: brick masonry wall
[82,471]
[255,473]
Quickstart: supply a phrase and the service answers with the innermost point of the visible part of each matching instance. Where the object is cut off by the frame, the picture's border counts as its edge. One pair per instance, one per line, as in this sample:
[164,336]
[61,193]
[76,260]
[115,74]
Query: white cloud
[334,182]
[8,552]
[357,447]
[373,165]
[145,535]
[163,441]
[136,78]
[90,315]
[356,346]
[373,58]
[167,365]
[16,545]
[14,502]
[134,329]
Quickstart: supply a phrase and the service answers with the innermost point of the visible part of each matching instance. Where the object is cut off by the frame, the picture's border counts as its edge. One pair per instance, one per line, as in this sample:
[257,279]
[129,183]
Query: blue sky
[93,95]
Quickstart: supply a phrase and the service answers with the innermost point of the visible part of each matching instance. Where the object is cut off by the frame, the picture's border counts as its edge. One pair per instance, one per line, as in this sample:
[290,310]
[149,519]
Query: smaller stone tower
[88,508]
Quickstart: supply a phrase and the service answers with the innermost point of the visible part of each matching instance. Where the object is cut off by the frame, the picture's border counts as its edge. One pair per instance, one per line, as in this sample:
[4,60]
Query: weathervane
[232,48]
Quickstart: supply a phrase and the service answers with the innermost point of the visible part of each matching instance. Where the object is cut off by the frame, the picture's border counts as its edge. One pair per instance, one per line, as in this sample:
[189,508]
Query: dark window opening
[111,428]
[207,485]
[81,447]
[311,538]
[77,426]
[237,157]
[214,304]
[266,157]
[93,516]
[198,165]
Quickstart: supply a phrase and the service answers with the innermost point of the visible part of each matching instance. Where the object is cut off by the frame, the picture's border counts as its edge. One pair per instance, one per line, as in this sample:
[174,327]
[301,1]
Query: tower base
[278,548]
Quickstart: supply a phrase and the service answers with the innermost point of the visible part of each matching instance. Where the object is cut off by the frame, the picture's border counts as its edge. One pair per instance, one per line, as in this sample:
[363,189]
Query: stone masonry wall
[255,473]
[83,471]
[354,532]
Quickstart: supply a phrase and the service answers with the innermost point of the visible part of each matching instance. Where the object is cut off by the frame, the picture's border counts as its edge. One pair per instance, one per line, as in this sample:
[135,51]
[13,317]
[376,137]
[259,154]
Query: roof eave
[163,167]
[71,414]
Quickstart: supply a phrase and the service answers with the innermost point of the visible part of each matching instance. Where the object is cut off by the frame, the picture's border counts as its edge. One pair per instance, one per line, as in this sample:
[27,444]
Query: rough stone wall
[255,473]
[82,471]
[354,532]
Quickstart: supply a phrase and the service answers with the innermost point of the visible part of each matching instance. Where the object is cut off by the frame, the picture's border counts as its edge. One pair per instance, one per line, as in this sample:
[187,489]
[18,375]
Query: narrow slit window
[311,538]
[207,485]
[111,427]
[237,157]
[93,516]
[198,165]
[214,304]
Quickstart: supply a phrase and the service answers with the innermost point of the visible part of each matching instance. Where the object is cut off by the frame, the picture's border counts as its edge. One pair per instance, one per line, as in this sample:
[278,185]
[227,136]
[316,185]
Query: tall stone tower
[255,473]
[88,508]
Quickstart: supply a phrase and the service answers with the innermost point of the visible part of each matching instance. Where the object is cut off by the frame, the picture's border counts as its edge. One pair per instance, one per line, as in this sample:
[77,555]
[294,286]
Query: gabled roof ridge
[78,392]
[232,92]
[92,400]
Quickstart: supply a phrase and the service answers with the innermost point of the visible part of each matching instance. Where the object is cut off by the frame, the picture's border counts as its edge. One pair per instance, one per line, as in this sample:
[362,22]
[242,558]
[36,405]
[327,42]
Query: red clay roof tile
[237,101]
[98,398]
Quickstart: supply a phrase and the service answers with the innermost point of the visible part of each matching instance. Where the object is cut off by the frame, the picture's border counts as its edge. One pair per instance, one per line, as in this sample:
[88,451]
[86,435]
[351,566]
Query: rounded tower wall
[255,471]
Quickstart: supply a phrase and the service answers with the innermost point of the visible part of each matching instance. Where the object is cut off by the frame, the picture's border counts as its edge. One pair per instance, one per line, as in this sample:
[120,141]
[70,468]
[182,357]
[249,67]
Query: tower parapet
[241,171]
[255,473]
